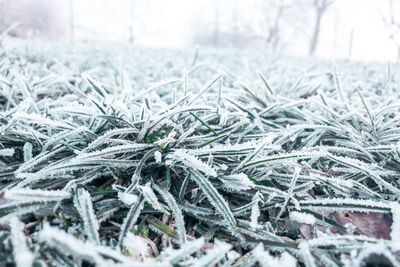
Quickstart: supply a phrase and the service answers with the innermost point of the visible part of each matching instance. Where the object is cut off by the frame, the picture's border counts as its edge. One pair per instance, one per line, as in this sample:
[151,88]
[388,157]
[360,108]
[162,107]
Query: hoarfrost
[302,217]
[22,255]
[192,162]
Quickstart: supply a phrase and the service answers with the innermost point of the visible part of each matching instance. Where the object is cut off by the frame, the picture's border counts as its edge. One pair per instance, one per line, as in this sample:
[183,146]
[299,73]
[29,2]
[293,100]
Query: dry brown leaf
[371,224]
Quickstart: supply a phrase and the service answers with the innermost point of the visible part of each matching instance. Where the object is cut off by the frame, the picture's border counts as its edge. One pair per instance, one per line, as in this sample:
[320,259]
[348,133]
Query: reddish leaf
[372,224]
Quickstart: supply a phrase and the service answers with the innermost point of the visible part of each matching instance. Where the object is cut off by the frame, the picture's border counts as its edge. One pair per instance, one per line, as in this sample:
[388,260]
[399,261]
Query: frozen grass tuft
[200,162]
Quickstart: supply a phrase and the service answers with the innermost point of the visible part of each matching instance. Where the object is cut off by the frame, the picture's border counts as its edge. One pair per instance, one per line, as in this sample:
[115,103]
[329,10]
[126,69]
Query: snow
[7,152]
[136,245]
[158,156]
[127,198]
[267,260]
[27,151]
[22,255]
[302,217]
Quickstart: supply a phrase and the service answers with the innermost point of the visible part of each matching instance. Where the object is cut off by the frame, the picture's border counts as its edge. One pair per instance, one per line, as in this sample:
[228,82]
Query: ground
[113,155]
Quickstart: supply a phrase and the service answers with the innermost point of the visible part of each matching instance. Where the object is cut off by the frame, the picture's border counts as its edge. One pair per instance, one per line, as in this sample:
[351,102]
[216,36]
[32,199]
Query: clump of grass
[198,167]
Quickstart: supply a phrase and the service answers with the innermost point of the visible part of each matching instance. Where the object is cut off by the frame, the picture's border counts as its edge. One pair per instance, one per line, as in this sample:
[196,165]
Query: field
[114,156]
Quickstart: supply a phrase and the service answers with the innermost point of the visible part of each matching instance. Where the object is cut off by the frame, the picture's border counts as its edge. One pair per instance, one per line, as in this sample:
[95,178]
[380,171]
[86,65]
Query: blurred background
[364,30]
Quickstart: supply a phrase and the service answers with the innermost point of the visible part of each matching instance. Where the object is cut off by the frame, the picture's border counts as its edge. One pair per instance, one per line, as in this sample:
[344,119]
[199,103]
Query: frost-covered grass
[111,156]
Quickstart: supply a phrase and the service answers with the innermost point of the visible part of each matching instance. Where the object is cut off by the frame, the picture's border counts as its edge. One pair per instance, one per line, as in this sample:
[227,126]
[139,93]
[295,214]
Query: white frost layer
[158,156]
[22,255]
[7,152]
[193,162]
[301,217]
[237,182]
[395,228]
[264,258]
[37,195]
[127,198]
[136,245]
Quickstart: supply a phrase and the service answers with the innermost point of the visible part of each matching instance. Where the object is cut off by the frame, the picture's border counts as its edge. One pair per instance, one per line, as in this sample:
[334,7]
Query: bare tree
[350,48]
[392,22]
[280,20]
[273,16]
[131,22]
[320,8]
[273,35]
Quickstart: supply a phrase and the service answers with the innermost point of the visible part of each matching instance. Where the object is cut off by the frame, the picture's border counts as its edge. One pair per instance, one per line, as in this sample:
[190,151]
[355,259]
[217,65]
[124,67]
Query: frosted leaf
[158,156]
[76,109]
[257,150]
[361,205]
[34,118]
[18,209]
[130,219]
[22,255]
[372,170]
[214,255]
[7,152]
[83,203]
[305,253]
[166,141]
[127,198]
[177,213]
[215,199]
[288,157]
[64,242]
[172,112]
[64,135]
[192,162]
[210,159]
[117,104]
[109,151]
[201,211]
[27,151]
[245,146]
[260,232]
[97,86]
[177,255]
[255,210]
[135,179]
[37,160]
[79,164]
[290,191]
[35,195]
[237,182]
[150,197]
[301,217]
[103,138]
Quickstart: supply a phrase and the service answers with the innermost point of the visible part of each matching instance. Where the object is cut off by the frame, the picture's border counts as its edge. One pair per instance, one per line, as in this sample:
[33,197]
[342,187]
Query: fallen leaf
[372,224]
